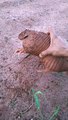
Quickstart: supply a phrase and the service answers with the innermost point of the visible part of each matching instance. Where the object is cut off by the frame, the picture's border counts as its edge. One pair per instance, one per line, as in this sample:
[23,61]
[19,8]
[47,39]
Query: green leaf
[38,92]
[37,102]
[56,111]
[36,98]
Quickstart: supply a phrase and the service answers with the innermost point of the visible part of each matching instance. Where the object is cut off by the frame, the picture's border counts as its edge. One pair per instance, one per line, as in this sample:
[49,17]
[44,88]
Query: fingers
[45,53]
[50,29]
[52,35]
[52,46]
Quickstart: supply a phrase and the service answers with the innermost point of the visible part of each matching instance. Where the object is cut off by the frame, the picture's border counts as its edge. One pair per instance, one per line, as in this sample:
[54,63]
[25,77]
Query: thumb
[45,53]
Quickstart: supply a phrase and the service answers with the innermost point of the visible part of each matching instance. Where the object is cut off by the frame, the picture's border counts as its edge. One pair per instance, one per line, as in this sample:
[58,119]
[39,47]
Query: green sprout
[37,103]
[36,98]
[55,113]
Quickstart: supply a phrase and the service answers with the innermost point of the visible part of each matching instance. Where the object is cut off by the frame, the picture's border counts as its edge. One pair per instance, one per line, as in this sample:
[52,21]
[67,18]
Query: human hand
[58,46]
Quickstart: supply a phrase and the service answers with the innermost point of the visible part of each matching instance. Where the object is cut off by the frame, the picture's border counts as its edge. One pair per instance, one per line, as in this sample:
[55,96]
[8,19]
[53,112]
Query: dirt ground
[18,76]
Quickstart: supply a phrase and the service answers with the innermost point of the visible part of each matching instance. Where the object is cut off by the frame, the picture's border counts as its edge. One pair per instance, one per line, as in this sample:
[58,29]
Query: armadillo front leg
[20,50]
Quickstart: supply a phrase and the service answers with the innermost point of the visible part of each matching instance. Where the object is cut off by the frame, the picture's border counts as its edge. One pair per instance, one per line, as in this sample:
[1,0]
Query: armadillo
[35,42]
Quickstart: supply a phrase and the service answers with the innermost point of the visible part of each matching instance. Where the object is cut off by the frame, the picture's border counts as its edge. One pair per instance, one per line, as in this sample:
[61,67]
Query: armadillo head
[23,35]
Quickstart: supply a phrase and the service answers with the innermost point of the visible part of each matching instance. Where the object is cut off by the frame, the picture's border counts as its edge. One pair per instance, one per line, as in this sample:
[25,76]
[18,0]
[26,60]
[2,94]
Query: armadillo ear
[20,36]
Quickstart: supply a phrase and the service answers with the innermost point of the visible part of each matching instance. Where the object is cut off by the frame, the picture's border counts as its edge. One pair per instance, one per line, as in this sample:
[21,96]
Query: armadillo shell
[39,42]
[56,64]
[52,63]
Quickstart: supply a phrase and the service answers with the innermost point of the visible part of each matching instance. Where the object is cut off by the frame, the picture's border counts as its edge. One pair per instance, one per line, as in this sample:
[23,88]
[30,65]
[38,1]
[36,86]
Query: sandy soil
[18,76]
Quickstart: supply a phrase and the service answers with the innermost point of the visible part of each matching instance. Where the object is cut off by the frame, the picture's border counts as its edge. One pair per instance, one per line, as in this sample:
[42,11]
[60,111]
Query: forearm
[63,52]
